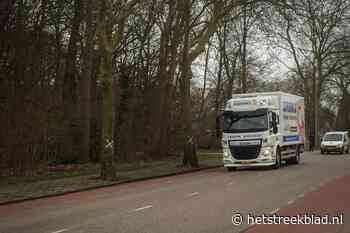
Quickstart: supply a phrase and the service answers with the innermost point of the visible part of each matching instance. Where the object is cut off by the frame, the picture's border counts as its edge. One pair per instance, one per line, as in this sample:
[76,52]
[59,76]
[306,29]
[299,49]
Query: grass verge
[86,176]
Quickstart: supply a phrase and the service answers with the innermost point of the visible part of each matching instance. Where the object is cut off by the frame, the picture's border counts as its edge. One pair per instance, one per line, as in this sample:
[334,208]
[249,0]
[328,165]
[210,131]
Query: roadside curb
[110,185]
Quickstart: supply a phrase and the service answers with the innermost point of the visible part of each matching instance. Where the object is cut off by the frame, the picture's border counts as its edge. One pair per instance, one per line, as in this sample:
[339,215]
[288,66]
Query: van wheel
[231,169]
[278,159]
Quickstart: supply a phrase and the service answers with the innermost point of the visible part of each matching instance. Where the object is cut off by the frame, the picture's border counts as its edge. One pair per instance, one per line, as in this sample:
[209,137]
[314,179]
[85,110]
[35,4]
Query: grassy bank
[77,177]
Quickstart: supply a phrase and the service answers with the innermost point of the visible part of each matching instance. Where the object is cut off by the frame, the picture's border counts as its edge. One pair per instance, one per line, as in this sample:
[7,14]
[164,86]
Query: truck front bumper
[261,160]
[249,163]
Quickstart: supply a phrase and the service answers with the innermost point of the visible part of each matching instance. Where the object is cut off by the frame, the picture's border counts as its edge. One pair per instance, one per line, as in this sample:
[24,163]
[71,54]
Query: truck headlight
[226,154]
[267,151]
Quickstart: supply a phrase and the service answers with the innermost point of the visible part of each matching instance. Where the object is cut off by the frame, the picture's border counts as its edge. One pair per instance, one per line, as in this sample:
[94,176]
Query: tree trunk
[244,51]
[202,112]
[231,75]
[122,116]
[71,136]
[159,125]
[170,40]
[86,80]
[201,109]
[96,111]
[218,93]
[308,112]
[6,7]
[190,157]
[105,29]
[317,102]
[342,120]
[120,105]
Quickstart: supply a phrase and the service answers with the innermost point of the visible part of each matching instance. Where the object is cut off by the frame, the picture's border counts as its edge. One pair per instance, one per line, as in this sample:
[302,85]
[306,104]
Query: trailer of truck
[263,129]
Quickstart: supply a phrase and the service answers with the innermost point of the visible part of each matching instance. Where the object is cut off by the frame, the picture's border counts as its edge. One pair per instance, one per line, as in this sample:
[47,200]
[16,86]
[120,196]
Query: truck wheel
[231,169]
[341,151]
[322,152]
[296,158]
[278,159]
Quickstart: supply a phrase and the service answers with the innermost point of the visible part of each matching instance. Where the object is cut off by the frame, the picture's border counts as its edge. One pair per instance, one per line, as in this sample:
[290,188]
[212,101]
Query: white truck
[263,129]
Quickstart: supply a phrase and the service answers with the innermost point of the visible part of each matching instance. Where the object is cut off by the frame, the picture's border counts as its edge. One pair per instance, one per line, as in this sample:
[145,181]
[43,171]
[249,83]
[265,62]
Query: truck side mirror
[275,129]
[274,123]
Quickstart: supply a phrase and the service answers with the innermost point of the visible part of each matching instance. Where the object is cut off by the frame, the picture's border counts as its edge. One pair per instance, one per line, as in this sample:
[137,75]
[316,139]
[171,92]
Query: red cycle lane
[332,199]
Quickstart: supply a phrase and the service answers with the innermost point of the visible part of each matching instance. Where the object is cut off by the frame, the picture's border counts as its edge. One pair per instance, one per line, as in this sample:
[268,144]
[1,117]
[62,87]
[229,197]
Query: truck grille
[245,152]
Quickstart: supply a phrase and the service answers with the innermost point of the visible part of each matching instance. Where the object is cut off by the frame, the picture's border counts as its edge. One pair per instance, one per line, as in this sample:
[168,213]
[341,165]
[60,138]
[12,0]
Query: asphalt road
[198,202]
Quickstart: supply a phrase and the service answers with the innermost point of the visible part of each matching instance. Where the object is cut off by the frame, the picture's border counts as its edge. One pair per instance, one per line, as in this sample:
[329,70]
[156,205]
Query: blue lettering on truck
[289,107]
[291,138]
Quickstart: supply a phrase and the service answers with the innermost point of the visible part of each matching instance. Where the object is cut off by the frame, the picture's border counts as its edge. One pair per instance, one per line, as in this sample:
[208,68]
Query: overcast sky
[279,61]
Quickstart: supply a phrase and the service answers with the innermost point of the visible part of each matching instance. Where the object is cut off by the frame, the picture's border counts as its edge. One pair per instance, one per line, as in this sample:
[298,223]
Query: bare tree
[309,30]
[107,40]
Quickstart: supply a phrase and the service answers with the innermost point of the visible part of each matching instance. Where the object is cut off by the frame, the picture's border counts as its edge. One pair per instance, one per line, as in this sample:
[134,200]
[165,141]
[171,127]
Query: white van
[335,142]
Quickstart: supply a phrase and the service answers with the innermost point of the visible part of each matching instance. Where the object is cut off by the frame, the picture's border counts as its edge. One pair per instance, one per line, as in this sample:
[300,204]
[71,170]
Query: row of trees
[311,39]
[115,80]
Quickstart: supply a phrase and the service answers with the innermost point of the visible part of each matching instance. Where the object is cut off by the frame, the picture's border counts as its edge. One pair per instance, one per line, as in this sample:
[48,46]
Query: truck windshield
[333,137]
[249,121]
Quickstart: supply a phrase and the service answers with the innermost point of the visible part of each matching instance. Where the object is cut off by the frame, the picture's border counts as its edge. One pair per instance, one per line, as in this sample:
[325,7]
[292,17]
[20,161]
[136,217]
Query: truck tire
[277,165]
[231,169]
[296,158]
[341,151]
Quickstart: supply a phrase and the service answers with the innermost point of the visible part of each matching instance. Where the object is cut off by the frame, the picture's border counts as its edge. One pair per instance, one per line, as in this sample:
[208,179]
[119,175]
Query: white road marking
[60,231]
[231,183]
[143,208]
[193,194]
[301,195]
[290,202]
[275,211]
